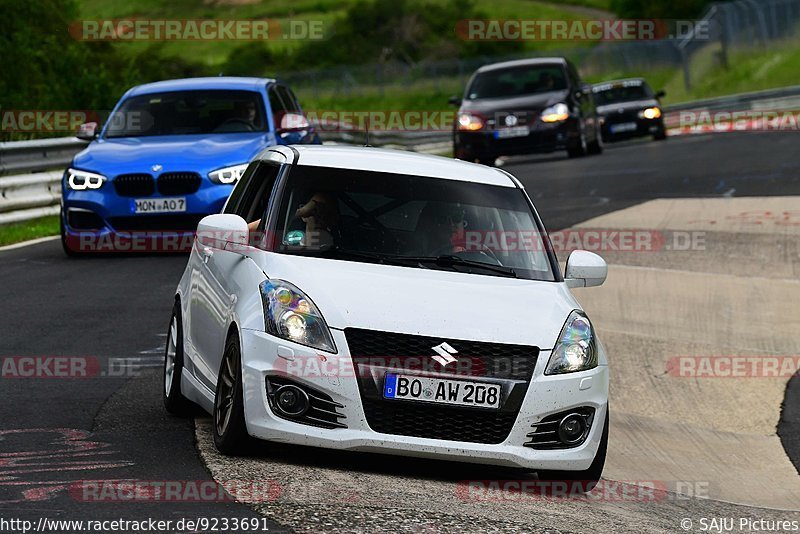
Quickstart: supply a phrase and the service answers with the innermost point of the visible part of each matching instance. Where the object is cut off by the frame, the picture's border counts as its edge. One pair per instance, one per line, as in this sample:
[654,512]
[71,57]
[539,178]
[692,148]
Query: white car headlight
[575,349]
[81,180]
[290,314]
[555,113]
[650,113]
[228,175]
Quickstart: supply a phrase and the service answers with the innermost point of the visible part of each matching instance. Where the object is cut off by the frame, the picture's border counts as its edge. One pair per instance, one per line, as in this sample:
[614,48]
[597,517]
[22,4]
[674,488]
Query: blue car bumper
[106,219]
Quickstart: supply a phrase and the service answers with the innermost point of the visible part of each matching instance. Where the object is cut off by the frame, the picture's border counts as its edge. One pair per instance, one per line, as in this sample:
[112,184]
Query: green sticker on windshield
[295,237]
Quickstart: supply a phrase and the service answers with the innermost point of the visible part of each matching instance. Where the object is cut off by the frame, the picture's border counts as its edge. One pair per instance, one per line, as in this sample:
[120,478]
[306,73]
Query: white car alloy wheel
[169,358]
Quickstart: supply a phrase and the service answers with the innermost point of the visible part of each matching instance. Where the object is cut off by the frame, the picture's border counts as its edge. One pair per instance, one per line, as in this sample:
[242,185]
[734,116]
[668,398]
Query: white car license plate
[516,131]
[441,391]
[623,127]
[159,205]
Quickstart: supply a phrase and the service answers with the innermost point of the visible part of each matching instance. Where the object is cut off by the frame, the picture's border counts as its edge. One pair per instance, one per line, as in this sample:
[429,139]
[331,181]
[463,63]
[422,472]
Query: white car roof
[390,161]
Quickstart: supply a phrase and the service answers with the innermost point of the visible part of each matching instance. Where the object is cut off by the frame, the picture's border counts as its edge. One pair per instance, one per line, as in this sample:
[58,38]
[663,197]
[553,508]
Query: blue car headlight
[576,349]
[289,314]
[78,180]
[228,175]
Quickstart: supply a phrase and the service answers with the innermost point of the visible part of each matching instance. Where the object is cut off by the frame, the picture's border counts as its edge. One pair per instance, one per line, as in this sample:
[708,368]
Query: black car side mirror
[661,94]
[454,101]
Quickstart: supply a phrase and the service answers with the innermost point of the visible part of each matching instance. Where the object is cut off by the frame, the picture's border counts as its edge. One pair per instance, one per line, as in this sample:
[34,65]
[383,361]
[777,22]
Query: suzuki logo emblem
[444,354]
[156,167]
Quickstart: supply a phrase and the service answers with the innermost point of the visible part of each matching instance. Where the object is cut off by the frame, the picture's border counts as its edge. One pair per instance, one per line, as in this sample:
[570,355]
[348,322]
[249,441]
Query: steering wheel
[484,250]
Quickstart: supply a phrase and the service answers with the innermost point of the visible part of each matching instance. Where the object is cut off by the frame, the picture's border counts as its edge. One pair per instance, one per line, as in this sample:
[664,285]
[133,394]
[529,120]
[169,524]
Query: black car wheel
[596,146]
[660,134]
[230,430]
[583,481]
[577,148]
[174,401]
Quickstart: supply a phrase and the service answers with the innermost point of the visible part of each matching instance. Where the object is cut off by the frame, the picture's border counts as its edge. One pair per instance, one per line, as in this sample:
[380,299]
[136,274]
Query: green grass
[23,231]
[213,54]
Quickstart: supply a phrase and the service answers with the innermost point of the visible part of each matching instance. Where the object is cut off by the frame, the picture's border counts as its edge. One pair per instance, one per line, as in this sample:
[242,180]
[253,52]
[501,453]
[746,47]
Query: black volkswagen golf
[525,106]
[629,108]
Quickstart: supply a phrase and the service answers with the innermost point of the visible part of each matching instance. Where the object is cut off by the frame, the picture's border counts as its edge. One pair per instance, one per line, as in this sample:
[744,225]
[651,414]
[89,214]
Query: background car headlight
[469,122]
[575,349]
[290,314]
[80,180]
[228,175]
[556,113]
[650,113]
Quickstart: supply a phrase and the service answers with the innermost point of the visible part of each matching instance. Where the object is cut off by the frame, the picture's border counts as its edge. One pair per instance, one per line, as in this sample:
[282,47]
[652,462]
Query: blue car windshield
[188,113]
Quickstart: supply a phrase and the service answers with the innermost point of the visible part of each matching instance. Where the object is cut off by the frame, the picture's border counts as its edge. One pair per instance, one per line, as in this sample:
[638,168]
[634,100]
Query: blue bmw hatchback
[170,154]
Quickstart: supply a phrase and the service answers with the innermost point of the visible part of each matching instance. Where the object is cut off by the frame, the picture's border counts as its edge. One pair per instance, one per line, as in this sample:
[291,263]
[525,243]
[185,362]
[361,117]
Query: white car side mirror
[585,269]
[222,228]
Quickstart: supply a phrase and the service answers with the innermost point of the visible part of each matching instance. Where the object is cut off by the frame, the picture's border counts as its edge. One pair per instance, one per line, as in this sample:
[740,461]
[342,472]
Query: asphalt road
[57,431]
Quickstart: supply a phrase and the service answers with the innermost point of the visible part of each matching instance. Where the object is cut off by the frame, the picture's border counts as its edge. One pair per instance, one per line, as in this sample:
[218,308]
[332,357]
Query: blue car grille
[134,185]
[178,183]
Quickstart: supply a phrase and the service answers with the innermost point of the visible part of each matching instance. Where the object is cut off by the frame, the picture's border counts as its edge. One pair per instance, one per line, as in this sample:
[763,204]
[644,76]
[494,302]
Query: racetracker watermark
[138,491]
[733,366]
[753,120]
[321,366]
[195,30]
[580,30]
[69,120]
[461,239]
[49,367]
[494,491]
[387,120]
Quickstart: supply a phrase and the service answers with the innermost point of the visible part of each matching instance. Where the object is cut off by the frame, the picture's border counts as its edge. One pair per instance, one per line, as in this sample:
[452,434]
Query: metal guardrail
[34,189]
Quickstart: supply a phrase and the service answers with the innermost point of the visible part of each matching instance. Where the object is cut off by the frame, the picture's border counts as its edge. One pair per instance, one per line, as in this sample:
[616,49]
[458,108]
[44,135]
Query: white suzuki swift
[384,301]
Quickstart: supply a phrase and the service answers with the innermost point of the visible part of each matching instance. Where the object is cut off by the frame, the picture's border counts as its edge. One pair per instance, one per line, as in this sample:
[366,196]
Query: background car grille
[488,360]
[177,223]
[178,183]
[134,185]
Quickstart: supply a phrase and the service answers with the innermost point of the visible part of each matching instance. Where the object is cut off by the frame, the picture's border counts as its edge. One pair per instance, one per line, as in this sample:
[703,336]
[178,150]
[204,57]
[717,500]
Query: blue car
[170,154]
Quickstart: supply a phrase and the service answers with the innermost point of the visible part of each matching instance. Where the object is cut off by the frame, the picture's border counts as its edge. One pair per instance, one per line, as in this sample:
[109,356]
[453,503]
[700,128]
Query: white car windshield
[423,222]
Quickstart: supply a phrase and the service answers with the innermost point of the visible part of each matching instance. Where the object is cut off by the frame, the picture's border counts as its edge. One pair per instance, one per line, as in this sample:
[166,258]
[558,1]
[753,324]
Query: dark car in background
[629,108]
[523,107]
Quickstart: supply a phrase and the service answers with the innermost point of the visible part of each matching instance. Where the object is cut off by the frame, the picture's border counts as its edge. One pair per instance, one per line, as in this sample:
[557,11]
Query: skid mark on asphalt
[29,457]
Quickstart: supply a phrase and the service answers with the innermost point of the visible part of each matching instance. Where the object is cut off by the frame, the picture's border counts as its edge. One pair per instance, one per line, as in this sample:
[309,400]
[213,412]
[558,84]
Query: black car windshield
[413,221]
[621,92]
[517,81]
[187,113]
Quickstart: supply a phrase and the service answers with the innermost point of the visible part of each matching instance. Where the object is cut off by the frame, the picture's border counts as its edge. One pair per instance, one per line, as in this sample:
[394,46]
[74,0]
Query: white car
[390,302]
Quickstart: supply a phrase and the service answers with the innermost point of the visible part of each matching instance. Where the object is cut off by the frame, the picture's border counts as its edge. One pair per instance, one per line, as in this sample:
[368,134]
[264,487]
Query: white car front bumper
[546,395]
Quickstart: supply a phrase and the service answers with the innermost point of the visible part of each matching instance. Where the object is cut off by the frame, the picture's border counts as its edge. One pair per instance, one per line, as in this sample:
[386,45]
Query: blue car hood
[200,153]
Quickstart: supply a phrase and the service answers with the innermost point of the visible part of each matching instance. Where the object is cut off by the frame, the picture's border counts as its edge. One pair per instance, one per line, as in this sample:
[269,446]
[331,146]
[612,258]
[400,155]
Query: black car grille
[374,349]
[521,118]
[134,185]
[616,117]
[178,183]
[150,223]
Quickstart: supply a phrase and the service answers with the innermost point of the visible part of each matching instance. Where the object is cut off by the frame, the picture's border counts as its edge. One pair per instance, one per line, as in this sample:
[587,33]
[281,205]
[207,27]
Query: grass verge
[23,231]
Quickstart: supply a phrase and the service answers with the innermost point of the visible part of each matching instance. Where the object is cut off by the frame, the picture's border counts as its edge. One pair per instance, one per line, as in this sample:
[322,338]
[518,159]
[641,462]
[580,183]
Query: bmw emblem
[156,167]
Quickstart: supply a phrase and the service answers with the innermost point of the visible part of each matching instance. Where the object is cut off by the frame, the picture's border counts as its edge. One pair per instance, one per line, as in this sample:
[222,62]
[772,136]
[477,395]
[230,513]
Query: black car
[525,106]
[629,108]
